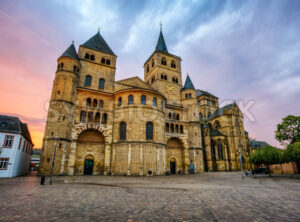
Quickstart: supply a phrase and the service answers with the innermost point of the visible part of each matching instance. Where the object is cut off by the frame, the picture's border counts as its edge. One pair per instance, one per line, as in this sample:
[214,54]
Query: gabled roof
[70,52]
[188,83]
[257,144]
[161,45]
[98,43]
[220,111]
[202,92]
[216,132]
[133,83]
[12,124]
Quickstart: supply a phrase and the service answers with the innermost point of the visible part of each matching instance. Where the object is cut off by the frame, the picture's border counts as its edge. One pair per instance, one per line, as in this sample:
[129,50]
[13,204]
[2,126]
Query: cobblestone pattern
[204,197]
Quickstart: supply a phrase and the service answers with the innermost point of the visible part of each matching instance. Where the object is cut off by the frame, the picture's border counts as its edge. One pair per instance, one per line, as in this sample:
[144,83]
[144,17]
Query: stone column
[72,158]
[141,170]
[195,166]
[107,158]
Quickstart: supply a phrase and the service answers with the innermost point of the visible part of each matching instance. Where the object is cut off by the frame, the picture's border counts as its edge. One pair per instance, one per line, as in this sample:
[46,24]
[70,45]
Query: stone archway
[175,155]
[90,149]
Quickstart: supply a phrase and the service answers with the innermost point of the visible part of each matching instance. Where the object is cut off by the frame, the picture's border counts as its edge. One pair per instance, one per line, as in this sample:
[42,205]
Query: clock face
[170,89]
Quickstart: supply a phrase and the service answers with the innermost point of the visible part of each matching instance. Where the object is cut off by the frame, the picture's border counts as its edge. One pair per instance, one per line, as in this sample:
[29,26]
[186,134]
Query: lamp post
[241,162]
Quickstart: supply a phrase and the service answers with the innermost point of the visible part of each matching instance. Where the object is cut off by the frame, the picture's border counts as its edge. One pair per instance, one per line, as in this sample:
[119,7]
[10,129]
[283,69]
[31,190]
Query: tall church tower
[162,71]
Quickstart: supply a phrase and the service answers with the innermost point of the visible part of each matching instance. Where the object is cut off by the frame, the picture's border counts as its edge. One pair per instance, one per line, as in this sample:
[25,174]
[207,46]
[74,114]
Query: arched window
[143,100]
[130,99]
[213,151]
[101,104]
[88,102]
[108,62]
[92,57]
[88,80]
[97,118]
[174,116]
[154,102]
[170,115]
[163,61]
[101,83]
[167,127]
[90,117]
[217,124]
[162,76]
[104,118]
[200,116]
[176,80]
[210,126]
[122,131]
[147,67]
[220,150]
[87,56]
[120,101]
[149,131]
[177,117]
[181,129]
[208,114]
[173,64]
[172,128]
[153,63]
[61,66]
[82,116]
[103,60]
[165,77]
[95,103]
[176,129]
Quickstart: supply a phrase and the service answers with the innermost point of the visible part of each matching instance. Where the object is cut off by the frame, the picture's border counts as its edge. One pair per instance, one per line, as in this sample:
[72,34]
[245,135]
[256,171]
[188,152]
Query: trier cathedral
[100,126]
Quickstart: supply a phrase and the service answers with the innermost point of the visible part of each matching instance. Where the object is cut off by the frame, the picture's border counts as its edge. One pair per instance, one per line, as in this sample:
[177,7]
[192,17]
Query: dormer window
[3,124]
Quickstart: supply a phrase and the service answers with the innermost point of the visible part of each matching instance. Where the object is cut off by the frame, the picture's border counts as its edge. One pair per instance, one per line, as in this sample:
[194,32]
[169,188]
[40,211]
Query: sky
[243,51]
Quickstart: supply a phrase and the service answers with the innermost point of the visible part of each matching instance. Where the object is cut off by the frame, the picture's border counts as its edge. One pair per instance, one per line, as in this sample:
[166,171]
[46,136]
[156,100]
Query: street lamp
[241,162]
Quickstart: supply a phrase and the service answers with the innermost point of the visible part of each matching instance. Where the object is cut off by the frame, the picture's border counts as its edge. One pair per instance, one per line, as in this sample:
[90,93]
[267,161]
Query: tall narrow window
[165,77]
[213,152]
[88,80]
[167,127]
[122,131]
[101,83]
[177,117]
[108,62]
[170,115]
[101,104]
[143,100]
[149,131]
[147,68]
[130,99]
[163,61]
[87,56]
[88,102]
[82,116]
[154,102]
[104,118]
[153,63]
[181,129]
[97,118]
[172,128]
[120,101]
[173,64]
[95,102]
[220,150]
[103,60]
[174,116]
[8,141]
[90,117]
[176,129]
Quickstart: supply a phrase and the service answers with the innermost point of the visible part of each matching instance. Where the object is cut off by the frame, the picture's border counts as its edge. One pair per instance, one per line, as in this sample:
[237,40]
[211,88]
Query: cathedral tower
[61,110]
[162,71]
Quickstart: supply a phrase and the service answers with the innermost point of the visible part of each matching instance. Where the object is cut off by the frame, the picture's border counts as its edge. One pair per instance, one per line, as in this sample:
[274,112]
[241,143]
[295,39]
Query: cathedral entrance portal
[175,155]
[88,167]
[90,149]
[172,167]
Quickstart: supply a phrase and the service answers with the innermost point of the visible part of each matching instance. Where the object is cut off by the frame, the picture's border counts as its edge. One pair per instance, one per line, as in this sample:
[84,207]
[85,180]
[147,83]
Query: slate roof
[257,144]
[12,124]
[220,111]
[161,45]
[216,132]
[188,83]
[202,92]
[70,52]
[98,43]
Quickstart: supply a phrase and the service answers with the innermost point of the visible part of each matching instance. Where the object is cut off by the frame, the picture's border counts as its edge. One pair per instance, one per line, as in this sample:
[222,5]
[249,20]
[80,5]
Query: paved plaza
[218,196]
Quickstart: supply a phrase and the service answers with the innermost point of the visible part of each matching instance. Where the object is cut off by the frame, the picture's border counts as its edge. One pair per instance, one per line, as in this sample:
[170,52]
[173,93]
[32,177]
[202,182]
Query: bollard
[42,180]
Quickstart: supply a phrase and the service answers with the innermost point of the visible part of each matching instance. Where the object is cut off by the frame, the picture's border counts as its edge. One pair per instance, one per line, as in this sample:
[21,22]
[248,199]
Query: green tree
[288,130]
[292,152]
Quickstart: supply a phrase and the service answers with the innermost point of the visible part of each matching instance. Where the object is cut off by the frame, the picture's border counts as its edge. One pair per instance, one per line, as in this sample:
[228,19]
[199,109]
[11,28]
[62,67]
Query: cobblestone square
[219,196]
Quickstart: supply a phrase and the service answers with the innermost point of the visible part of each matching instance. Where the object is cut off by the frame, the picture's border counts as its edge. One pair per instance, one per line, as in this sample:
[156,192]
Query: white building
[16,147]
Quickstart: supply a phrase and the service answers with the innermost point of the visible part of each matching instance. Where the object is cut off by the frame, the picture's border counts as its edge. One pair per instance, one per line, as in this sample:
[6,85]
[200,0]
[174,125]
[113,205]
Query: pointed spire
[188,83]
[98,43]
[70,52]
[161,45]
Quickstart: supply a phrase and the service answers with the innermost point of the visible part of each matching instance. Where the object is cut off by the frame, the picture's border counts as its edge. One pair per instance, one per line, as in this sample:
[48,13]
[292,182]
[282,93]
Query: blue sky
[247,51]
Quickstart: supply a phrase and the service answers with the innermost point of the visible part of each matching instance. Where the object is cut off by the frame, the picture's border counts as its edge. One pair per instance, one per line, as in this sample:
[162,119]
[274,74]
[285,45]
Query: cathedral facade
[99,126]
